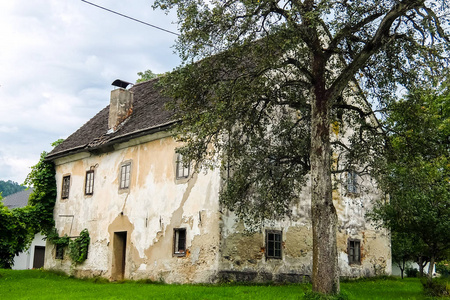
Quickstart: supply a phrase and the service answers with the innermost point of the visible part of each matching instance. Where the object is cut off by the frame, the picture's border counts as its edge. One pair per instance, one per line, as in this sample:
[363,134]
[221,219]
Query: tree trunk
[420,263]
[402,266]
[325,274]
[431,267]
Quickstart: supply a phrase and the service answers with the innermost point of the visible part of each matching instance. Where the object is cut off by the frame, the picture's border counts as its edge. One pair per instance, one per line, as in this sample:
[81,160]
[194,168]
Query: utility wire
[114,12]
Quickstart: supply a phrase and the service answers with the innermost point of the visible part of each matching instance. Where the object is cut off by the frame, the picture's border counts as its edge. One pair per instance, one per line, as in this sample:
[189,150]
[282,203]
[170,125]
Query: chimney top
[121,83]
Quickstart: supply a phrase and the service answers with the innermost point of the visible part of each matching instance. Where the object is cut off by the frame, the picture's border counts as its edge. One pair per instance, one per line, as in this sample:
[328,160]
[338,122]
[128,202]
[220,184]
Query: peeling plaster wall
[148,211]
[238,262]
[217,245]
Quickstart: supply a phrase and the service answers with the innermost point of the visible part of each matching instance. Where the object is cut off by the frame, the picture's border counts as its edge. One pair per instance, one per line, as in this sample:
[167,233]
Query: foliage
[18,226]
[15,235]
[443,268]
[310,295]
[10,187]
[417,173]
[270,78]
[411,272]
[438,287]
[404,249]
[42,178]
[54,238]
[146,75]
[78,248]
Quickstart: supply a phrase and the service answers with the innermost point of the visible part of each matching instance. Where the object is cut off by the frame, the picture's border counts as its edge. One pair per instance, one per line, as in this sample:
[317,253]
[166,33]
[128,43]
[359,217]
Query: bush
[317,296]
[438,287]
[411,272]
[443,268]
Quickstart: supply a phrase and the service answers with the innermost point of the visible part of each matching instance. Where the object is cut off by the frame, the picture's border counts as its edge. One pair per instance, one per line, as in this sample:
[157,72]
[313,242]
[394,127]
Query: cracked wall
[155,203]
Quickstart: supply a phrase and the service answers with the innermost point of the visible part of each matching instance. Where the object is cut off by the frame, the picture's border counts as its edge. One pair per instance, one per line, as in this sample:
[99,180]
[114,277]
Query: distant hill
[10,187]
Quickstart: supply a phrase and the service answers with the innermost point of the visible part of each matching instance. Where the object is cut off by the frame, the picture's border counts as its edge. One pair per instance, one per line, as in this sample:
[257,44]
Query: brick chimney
[120,107]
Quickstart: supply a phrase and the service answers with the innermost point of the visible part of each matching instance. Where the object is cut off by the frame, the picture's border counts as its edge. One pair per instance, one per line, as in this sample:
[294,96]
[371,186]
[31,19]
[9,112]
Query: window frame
[65,187]
[352,245]
[124,170]
[185,170]
[89,183]
[352,182]
[177,250]
[273,249]
[59,251]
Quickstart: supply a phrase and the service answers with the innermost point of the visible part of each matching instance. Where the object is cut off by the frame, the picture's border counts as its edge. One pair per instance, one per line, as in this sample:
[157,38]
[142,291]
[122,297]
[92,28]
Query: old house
[149,216]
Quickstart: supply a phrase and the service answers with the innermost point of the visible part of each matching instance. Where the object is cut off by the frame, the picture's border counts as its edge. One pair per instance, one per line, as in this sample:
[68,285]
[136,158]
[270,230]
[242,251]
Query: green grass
[38,284]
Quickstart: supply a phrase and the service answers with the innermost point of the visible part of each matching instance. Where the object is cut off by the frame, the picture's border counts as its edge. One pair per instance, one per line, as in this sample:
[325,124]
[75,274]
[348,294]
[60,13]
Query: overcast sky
[58,59]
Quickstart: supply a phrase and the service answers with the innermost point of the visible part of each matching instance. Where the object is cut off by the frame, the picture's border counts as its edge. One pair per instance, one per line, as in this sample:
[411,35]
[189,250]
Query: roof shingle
[148,113]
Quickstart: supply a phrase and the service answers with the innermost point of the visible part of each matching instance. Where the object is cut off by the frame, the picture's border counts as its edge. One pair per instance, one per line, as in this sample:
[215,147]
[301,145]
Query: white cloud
[57,61]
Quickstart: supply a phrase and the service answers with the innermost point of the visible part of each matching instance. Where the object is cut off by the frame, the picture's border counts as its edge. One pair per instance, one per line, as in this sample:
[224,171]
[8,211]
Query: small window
[65,187]
[182,169]
[179,241]
[125,173]
[89,186]
[59,253]
[354,251]
[273,243]
[352,182]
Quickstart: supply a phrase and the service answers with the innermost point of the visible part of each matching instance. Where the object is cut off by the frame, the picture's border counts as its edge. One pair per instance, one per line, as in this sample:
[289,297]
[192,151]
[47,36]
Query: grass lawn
[37,284]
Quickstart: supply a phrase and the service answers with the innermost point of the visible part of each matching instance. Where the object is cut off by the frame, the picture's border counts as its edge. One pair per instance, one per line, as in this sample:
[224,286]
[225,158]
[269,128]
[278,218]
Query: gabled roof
[148,116]
[19,199]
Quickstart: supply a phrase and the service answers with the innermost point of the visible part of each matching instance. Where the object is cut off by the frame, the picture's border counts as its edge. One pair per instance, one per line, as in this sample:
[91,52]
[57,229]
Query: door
[119,255]
[39,254]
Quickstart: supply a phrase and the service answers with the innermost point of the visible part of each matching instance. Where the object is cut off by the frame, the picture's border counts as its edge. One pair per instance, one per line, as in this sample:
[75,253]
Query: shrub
[411,272]
[438,287]
[443,268]
[317,296]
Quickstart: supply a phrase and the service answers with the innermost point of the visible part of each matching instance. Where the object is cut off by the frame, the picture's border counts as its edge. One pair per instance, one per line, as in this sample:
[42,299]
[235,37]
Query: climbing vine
[78,248]
[18,226]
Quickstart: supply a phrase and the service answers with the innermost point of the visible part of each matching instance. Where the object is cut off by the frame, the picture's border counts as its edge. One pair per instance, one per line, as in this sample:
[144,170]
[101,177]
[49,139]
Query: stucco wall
[250,262]
[24,260]
[148,211]
[218,246]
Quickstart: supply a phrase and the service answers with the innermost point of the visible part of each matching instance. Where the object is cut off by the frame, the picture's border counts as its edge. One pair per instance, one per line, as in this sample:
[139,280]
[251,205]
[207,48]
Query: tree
[10,187]
[417,173]
[405,248]
[289,64]
[18,226]
[146,75]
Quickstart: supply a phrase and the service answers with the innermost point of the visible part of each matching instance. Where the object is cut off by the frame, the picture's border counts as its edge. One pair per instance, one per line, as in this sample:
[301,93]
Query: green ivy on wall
[18,226]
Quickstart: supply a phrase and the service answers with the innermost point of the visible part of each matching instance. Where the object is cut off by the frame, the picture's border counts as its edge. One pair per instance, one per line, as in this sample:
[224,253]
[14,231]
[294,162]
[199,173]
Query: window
[59,253]
[65,187]
[273,243]
[182,169]
[125,172]
[352,182]
[354,251]
[89,186]
[179,241]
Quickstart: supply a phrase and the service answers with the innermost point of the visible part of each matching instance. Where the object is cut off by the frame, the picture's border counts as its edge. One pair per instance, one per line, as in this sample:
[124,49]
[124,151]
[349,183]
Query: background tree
[417,174]
[275,80]
[146,75]
[10,187]
[18,226]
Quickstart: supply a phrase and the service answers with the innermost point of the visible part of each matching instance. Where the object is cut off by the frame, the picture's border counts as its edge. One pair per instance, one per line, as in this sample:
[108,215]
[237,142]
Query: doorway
[119,255]
[39,254]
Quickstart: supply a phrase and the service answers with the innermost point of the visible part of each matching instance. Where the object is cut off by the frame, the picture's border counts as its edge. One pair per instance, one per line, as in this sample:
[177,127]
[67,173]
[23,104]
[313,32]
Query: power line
[117,13]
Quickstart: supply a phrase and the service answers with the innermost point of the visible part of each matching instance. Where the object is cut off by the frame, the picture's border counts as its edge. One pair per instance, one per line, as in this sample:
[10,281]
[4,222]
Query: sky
[58,59]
